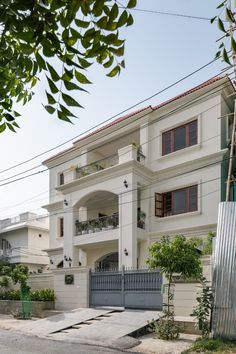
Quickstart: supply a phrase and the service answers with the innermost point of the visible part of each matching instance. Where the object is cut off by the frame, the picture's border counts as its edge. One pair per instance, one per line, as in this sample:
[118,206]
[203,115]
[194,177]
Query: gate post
[123,285]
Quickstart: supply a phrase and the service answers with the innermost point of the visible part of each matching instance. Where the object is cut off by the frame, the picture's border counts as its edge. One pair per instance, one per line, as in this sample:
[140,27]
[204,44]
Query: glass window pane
[167,204]
[166,143]
[193,133]
[179,201]
[179,138]
[193,198]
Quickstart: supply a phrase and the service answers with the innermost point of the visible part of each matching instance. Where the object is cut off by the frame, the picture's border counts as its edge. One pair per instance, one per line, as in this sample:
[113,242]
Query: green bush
[42,295]
[208,345]
[38,295]
[10,295]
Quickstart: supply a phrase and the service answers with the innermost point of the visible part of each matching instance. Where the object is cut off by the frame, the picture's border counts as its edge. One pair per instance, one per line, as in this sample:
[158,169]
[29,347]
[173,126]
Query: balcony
[126,154]
[97,166]
[97,225]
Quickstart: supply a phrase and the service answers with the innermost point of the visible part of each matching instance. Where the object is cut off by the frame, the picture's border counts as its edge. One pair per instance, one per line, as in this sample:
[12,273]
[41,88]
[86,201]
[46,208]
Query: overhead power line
[110,118]
[158,118]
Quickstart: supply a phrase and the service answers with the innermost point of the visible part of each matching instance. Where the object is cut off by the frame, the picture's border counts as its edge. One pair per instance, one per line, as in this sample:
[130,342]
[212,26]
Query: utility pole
[233,130]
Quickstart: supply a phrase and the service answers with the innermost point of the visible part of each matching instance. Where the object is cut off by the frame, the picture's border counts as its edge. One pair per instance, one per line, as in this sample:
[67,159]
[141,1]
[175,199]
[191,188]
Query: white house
[157,171]
[22,240]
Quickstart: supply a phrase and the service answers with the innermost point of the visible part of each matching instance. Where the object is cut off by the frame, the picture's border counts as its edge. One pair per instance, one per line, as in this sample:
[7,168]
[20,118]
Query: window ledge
[181,151]
[183,215]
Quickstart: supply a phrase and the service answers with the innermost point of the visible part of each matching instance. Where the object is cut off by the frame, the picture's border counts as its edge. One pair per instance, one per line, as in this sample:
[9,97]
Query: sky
[159,50]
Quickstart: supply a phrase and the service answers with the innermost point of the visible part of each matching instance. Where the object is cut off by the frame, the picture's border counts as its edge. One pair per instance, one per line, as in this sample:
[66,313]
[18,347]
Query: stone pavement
[111,334]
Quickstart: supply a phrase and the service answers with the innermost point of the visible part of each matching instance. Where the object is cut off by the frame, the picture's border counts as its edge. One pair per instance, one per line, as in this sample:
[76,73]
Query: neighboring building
[22,240]
[158,171]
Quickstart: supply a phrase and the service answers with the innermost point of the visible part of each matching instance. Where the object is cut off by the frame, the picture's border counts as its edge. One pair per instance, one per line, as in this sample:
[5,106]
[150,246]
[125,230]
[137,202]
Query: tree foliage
[42,35]
[227,29]
[177,255]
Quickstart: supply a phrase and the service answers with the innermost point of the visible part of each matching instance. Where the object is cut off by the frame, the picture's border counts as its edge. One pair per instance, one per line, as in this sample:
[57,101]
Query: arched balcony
[96,212]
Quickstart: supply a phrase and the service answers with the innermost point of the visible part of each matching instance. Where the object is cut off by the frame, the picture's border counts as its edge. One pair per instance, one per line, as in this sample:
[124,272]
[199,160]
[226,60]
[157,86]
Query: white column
[69,232]
[127,153]
[83,214]
[144,139]
[128,224]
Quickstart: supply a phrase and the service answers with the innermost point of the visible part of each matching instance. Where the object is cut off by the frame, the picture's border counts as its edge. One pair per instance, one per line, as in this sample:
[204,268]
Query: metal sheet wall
[224,273]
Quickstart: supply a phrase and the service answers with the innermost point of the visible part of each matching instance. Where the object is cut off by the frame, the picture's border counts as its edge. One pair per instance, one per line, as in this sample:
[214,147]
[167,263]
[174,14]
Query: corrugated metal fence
[224,273]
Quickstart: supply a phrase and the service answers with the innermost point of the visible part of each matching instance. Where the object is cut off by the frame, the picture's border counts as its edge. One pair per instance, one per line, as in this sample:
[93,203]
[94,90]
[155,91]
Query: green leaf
[233,44]
[40,61]
[123,19]
[83,24]
[130,20]
[225,57]
[66,111]
[71,86]
[114,12]
[221,5]
[131,4]
[115,71]
[63,116]
[11,127]
[52,86]
[2,127]
[109,62]
[53,73]
[81,78]
[9,117]
[221,25]
[70,101]
[229,16]
[84,63]
[50,109]
[51,99]
[16,114]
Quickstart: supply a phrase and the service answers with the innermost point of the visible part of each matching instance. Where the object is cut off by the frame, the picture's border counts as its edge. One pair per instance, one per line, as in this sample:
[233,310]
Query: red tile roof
[123,118]
[114,122]
[192,90]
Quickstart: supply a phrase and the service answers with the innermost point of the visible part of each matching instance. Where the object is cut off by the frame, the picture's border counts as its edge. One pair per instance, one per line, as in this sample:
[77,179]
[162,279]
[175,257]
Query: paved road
[18,343]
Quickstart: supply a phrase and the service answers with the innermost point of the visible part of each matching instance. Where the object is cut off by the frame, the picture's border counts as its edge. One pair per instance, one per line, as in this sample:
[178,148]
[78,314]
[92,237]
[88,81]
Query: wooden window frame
[172,139]
[160,202]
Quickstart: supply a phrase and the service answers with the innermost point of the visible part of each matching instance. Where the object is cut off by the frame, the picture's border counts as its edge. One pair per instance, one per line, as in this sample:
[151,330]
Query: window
[61,179]
[179,138]
[176,202]
[61,227]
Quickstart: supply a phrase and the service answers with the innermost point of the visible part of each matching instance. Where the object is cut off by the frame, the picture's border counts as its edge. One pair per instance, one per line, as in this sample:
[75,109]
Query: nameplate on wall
[69,279]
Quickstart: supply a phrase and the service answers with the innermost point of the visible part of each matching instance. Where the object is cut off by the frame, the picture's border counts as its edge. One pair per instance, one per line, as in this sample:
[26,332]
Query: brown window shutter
[158,205]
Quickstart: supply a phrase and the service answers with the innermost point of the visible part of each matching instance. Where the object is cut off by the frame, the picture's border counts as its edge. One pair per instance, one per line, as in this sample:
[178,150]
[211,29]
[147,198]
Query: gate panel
[142,289]
[126,288]
[106,288]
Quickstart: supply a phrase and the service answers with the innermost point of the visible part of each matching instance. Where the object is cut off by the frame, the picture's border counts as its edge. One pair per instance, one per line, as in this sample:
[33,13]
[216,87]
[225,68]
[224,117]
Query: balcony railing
[97,166]
[96,225]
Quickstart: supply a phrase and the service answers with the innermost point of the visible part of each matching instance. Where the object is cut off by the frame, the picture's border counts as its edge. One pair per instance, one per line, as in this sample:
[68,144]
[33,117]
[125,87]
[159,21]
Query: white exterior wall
[209,185]
[198,164]
[209,134]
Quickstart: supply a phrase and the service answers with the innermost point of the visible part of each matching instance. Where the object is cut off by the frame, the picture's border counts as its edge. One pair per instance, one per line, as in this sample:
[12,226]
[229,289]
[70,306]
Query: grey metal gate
[126,288]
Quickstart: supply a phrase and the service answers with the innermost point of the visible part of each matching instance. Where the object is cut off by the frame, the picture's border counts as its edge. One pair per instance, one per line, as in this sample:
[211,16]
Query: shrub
[10,295]
[38,295]
[42,295]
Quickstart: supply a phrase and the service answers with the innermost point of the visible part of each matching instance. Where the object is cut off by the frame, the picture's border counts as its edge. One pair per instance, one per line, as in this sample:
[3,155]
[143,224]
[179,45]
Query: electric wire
[112,117]
[154,121]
